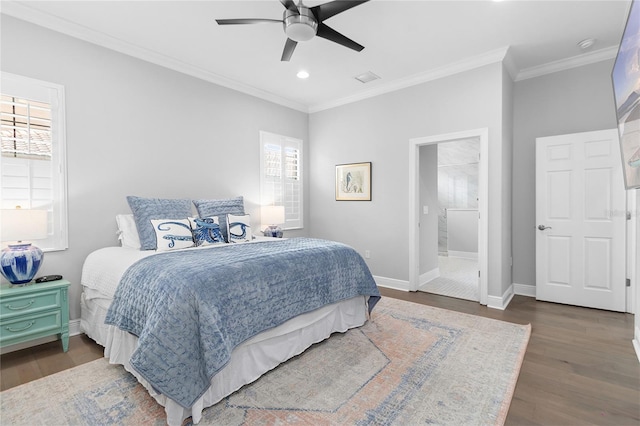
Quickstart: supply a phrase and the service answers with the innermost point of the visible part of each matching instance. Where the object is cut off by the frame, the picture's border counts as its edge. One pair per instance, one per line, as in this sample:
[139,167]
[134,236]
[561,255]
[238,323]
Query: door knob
[542,227]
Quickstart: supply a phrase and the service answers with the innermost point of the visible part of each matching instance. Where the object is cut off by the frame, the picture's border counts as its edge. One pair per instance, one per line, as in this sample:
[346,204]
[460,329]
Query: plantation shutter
[31,164]
[281,176]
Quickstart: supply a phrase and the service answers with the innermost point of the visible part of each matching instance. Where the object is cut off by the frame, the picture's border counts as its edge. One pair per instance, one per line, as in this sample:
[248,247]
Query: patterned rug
[410,364]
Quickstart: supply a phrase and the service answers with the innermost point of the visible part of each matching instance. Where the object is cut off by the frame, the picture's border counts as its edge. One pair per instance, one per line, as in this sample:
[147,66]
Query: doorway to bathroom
[457,199]
[450,215]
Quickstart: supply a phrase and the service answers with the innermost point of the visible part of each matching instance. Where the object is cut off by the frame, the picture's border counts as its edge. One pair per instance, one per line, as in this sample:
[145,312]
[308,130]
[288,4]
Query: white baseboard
[428,276]
[74,329]
[524,290]
[636,343]
[463,254]
[392,283]
[497,302]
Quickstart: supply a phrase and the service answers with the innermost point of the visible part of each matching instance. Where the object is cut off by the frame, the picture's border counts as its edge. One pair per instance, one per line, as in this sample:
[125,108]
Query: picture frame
[353,182]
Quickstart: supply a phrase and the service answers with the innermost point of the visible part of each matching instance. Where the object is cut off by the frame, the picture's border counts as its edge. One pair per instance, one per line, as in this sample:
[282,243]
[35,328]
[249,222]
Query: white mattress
[249,361]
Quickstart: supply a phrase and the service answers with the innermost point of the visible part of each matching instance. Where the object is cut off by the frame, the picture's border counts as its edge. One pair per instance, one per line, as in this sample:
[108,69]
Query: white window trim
[31,88]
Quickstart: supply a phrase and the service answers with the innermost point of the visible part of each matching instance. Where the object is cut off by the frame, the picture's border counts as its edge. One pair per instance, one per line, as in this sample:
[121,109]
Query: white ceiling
[406,42]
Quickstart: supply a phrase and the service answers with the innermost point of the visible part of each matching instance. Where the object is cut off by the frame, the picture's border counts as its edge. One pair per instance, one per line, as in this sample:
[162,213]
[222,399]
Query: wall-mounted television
[626,89]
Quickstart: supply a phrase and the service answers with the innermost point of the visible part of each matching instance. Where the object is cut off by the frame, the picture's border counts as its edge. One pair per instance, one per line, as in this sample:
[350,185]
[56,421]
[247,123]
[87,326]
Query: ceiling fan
[302,23]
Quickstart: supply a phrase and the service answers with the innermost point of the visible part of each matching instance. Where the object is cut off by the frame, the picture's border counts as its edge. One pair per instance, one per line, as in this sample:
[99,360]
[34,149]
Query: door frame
[483,206]
[633,253]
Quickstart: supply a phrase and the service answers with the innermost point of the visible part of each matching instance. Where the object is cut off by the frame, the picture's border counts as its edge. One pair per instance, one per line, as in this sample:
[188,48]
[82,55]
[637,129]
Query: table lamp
[272,216]
[20,261]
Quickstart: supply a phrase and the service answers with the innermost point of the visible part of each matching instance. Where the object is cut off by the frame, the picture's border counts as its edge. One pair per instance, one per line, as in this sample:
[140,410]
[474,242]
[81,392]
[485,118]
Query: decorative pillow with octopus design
[239,228]
[220,208]
[206,231]
[172,234]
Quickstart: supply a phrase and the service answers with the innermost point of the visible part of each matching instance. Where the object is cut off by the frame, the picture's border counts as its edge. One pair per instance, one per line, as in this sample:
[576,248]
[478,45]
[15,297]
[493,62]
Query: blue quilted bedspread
[191,308]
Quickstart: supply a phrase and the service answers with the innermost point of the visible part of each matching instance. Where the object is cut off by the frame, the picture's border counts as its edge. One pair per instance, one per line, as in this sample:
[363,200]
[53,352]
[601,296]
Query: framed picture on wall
[353,182]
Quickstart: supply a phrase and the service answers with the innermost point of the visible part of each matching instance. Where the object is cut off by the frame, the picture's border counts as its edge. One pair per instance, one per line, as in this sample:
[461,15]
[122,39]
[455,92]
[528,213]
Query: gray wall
[379,130]
[571,101]
[506,215]
[462,227]
[134,128]
[428,197]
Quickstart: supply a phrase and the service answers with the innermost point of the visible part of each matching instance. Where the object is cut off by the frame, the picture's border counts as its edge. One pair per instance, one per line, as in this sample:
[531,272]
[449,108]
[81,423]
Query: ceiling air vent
[367,77]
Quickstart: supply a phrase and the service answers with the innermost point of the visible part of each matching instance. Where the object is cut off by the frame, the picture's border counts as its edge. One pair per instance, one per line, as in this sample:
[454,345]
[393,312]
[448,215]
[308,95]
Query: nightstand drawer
[29,303]
[33,311]
[31,325]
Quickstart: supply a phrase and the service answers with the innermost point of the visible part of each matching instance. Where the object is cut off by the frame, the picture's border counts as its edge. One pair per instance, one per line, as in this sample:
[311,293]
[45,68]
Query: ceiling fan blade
[247,21]
[289,47]
[327,10]
[329,33]
[290,5]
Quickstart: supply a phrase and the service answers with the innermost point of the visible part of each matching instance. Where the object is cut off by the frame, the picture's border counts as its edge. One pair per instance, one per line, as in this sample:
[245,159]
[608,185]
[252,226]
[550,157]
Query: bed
[193,325]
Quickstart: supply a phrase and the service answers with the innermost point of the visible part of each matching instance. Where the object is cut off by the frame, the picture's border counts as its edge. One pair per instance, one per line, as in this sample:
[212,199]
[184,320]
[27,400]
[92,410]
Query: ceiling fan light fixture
[300,32]
[302,26]
[302,23]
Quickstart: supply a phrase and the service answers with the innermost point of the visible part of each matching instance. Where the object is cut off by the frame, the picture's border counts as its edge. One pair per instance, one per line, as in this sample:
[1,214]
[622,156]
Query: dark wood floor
[39,361]
[579,369]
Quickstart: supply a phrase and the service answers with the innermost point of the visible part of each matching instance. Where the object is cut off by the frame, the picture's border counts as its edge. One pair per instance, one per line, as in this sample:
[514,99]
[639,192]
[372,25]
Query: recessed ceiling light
[302,74]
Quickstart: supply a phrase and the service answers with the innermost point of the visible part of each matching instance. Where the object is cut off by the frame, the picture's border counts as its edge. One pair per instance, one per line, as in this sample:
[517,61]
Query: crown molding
[499,55]
[22,11]
[510,64]
[467,64]
[568,63]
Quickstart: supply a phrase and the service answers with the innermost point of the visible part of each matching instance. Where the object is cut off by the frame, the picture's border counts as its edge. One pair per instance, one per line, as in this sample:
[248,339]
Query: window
[281,176]
[32,164]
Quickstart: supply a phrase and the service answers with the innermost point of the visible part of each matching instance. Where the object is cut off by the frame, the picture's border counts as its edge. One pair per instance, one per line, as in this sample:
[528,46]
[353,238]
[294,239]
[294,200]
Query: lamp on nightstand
[20,261]
[273,216]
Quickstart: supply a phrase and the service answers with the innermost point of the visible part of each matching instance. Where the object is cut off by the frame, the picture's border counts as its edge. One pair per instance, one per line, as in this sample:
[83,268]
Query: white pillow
[172,234]
[239,228]
[127,231]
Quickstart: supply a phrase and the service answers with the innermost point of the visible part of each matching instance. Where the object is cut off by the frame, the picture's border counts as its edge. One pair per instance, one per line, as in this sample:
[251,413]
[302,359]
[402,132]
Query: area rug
[409,364]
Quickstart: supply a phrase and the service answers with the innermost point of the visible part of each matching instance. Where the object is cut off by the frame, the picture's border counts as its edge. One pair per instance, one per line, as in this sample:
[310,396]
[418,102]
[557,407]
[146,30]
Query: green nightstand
[34,311]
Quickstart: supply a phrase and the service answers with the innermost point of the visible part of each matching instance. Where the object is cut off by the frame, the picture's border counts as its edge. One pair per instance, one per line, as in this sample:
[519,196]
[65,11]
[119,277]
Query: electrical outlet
[425,209]
[367,254]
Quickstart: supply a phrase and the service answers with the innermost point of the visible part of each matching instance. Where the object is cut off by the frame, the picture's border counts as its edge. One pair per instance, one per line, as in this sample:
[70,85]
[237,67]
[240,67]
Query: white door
[580,220]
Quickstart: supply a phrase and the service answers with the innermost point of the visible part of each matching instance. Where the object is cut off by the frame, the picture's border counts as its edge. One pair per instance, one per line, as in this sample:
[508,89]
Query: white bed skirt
[249,361]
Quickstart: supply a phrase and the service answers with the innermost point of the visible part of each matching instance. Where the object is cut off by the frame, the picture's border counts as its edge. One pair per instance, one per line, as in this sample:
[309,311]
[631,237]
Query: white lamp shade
[272,215]
[23,225]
